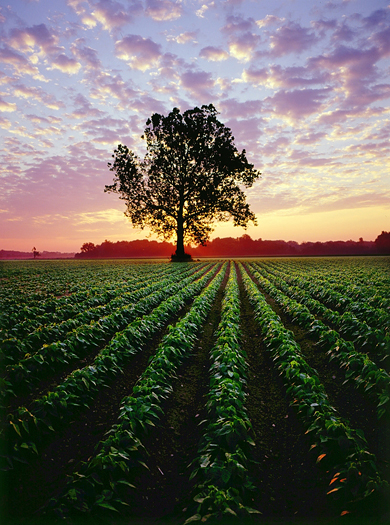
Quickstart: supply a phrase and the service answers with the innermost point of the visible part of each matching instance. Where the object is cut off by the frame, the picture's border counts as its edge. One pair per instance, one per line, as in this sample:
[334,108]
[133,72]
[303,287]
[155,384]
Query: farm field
[252,390]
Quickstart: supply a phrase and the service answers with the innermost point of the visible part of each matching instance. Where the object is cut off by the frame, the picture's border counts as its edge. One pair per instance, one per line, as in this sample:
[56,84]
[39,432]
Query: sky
[304,86]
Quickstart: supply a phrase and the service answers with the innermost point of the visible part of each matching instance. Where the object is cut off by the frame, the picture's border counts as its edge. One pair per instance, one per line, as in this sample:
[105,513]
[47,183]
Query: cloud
[296,76]
[238,24]
[112,15]
[376,18]
[37,36]
[200,12]
[86,54]
[198,83]
[233,109]
[255,76]
[66,64]
[7,106]
[106,87]
[110,215]
[243,46]
[140,53]
[311,138]
[269,20]
[291,38]
[84,108]
[30,92]
[184,38]
[214,54]
[19,63]
[163,10]
[297,104]
[276,146]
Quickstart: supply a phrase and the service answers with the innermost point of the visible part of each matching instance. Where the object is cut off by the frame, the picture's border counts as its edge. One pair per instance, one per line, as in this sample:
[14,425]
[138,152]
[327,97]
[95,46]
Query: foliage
[221,466]
[340,449]
[189,177]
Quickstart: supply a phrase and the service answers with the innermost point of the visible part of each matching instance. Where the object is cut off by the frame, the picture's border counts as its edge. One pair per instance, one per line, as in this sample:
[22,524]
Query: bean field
[228,391]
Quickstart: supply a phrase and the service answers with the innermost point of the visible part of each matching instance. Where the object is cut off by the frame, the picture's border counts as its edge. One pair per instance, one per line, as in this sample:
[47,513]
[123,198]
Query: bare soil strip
[289,483]
[31,486]
[165,490]
[351,404]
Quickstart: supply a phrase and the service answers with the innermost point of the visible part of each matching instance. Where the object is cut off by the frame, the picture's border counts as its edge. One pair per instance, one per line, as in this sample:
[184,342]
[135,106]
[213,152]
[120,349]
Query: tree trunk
[180,238]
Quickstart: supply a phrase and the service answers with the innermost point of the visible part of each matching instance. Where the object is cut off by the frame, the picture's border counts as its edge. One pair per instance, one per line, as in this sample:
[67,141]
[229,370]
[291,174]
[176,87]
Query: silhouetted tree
[382,242]
[35,252]
[188,179]
[87,247]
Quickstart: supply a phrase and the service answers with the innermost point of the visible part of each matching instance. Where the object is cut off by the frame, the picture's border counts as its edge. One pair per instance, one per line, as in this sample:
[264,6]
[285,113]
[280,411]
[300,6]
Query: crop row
[221,467]
[343,452]
[58,310]
[358,366]
[355,316]
[103,482]
[87,337]
[26,428]
[365,295]
[27,296]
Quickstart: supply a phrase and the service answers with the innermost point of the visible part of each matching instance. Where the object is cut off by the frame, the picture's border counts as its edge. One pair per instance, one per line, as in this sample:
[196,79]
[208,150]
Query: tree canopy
[189,178]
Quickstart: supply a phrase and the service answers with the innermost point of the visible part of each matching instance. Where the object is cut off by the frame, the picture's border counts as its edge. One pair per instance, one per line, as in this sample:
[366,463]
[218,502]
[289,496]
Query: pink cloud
[141,53]
[198,83]
[30,92]
[111,15]
[298,76]
[269,20]
[311,138]
[85,54]
[242,46]
[214,54]
[343,33]
[238,24]
[297,104]
[84,108]
[19,63]
[66,64]
[360,61]
[184,38]
[276,146]
[233,109]
[382,38]
[163,10]
[106,87]
[34,36]
[255,76]
[377,18]
[291,38]
[7,106]
[246,134]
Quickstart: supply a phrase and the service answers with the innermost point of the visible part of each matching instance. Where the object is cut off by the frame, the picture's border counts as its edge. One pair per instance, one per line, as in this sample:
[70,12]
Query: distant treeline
[13,254]
[243,246]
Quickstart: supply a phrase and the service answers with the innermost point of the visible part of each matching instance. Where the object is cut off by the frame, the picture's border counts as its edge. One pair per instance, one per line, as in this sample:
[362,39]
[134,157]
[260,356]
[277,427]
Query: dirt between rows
[290,488]
[27,489]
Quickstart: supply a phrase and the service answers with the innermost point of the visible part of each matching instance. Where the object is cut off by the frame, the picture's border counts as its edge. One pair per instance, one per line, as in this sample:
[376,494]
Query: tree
[188,179]
[87,247]
[382,242]
[35,252]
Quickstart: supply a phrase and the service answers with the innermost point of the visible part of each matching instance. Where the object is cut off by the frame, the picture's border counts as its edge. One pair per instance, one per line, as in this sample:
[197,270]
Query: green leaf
[107,506]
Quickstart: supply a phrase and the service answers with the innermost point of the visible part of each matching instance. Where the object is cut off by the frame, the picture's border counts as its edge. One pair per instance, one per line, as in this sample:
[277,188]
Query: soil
[290,487]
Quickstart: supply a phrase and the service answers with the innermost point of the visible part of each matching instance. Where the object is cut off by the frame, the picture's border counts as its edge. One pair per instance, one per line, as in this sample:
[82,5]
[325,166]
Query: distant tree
[87,247]
[189,178]
[382,242]
[35,252]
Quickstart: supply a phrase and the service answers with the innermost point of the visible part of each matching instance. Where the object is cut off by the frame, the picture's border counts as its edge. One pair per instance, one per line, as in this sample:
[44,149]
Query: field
[238,391]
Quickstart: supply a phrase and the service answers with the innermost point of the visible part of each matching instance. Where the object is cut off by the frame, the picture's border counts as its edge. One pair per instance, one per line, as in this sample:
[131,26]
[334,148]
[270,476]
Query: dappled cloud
[304,87]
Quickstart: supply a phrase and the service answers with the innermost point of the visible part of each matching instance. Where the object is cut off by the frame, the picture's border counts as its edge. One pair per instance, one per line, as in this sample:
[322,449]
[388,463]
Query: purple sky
[304,86]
